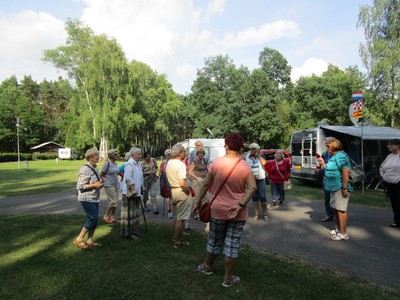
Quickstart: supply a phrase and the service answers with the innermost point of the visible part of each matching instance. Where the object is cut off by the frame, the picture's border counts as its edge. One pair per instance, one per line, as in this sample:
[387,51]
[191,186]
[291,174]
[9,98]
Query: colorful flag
[356,96]
[357,114]
[358,105]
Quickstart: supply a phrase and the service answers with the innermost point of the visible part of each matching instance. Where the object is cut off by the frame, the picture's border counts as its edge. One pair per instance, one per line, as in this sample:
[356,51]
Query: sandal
[266,218]
[235,280]
[107,220]
[255,218]
[181,245]
[204,270]
[273,202]
[81,244]
[90,245]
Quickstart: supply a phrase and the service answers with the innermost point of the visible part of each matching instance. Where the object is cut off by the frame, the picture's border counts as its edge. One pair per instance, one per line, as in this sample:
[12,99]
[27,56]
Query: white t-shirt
[390,168]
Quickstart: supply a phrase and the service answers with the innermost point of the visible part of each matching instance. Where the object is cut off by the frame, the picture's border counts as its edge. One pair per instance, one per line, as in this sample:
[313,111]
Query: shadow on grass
[39,261]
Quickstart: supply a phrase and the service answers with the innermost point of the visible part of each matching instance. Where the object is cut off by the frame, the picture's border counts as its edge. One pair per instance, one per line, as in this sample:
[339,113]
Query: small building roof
[48,145]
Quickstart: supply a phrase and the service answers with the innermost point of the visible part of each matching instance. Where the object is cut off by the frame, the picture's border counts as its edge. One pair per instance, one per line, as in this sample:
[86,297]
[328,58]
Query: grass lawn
[39,261]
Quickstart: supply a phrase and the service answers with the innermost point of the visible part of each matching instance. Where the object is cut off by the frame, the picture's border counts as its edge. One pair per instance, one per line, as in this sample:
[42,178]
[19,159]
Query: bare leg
[342,221]
[178,231]
[229,264]
[209,261]
[255,206]
[264,208]
[82,234]
[90,236]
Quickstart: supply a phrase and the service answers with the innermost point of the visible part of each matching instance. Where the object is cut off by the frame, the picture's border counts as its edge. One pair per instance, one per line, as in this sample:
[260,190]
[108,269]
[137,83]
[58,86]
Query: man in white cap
[257,162]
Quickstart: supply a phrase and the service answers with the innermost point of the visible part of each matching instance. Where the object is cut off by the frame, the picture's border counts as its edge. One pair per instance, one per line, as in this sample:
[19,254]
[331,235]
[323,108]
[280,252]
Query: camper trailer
[67,153]
[365,145]
[215,147]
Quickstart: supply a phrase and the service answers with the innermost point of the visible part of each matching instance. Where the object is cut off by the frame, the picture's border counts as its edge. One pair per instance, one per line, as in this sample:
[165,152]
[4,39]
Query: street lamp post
[19,161]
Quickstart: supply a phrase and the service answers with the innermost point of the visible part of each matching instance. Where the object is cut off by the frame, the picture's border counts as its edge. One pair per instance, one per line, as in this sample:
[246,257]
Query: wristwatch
[344,188]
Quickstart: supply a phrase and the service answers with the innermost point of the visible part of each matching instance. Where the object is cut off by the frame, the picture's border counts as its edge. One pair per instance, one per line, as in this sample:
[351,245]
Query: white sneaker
[334,231]
[340,237]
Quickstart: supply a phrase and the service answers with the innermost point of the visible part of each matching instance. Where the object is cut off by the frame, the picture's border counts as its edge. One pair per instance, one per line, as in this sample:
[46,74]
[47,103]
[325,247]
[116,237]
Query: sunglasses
[253,148]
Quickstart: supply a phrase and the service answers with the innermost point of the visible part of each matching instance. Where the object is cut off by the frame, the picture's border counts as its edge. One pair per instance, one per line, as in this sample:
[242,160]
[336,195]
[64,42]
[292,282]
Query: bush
[9,157]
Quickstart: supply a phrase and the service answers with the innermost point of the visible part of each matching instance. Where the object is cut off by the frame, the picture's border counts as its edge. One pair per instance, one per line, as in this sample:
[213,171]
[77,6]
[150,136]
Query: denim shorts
[92,212]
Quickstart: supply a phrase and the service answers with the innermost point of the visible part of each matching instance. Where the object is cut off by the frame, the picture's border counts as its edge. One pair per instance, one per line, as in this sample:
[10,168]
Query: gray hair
[329,139]
[111,152]
[280,154]
[91,152]
[134,150]
[127,155]
[177,149]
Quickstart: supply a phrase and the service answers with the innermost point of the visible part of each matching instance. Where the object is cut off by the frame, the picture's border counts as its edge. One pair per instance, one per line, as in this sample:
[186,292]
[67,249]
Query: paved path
[373,251]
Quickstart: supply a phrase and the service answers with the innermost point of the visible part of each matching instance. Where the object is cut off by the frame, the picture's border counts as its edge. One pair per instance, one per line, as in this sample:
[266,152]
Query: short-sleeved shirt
[193,156]
[234,189]
[111,172]
[88,175]
[176,170]
[333,172]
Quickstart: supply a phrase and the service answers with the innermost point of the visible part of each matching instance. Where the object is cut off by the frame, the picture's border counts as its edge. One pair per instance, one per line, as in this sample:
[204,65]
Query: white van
[67,153]
[215,147]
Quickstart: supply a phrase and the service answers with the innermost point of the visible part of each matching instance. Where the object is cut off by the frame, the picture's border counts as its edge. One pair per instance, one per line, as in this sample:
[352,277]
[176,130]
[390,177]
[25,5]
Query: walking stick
[129,216]
[144,215]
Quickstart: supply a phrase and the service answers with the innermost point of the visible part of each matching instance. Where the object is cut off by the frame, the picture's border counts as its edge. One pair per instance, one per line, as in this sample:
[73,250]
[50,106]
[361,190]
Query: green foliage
[381,54]
[7,157]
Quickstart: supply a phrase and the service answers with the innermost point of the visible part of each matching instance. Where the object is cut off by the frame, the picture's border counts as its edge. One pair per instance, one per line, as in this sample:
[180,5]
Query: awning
[368,132]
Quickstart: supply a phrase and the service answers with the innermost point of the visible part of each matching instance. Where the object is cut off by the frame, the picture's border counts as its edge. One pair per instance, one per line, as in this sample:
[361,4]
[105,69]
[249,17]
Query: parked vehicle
[215,147]
[365,145]
[269,156]
[68,153]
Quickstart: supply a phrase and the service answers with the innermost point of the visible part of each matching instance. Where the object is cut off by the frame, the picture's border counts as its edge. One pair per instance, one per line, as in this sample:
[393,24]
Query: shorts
[338,202]
[181,204]
[112,195]
[225,234]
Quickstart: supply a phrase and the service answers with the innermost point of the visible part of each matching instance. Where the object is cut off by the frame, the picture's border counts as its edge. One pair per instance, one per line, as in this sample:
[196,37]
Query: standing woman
[133,177]
[257,163]
[150,170]
[229,208]
[198,171]
[337,172]
[110,172]
[280,171]
[390,172]
[88,186]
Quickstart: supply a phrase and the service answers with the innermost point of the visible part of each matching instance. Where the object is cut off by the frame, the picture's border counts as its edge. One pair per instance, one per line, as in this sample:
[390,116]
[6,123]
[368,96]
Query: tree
[98,66]
[381,53]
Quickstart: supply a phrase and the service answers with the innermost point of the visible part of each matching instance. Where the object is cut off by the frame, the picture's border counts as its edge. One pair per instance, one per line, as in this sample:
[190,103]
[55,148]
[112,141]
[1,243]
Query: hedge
[7,157]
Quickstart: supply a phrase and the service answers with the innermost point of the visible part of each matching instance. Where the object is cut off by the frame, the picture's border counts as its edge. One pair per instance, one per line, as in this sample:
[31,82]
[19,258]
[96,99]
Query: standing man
[176,174]
[193,155]
[323,160]
[257,162]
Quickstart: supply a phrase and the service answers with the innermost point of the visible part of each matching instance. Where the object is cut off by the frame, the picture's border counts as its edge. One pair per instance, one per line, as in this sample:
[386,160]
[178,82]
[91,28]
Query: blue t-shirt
[333,172]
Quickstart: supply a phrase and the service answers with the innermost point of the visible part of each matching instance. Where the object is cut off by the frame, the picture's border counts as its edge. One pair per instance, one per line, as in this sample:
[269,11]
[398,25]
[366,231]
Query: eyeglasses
[326,145]
[253,148]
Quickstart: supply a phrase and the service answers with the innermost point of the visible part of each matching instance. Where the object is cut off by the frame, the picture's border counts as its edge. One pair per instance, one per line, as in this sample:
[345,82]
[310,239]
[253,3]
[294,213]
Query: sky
[174,37]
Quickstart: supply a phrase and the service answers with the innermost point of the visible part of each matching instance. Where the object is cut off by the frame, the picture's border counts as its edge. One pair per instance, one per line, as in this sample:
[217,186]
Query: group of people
[232,180]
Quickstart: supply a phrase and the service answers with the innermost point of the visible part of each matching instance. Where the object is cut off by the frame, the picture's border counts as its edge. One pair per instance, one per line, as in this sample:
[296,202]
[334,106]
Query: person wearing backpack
[110,174]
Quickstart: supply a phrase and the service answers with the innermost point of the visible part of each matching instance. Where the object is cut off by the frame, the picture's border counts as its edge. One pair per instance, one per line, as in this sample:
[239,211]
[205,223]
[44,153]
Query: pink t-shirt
[234,188]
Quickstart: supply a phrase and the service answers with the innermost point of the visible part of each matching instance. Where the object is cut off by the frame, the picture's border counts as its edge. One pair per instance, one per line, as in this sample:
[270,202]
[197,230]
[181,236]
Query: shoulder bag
[205,209]
[287,184]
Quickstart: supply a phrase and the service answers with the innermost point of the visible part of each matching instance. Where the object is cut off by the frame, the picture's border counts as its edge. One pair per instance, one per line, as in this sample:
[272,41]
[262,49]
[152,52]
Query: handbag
[205,210]
[287,184]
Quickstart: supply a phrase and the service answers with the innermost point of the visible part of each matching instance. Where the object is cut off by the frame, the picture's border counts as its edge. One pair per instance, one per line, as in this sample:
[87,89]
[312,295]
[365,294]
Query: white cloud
[311,66]
[26,35]
[266,33]
[216,6]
